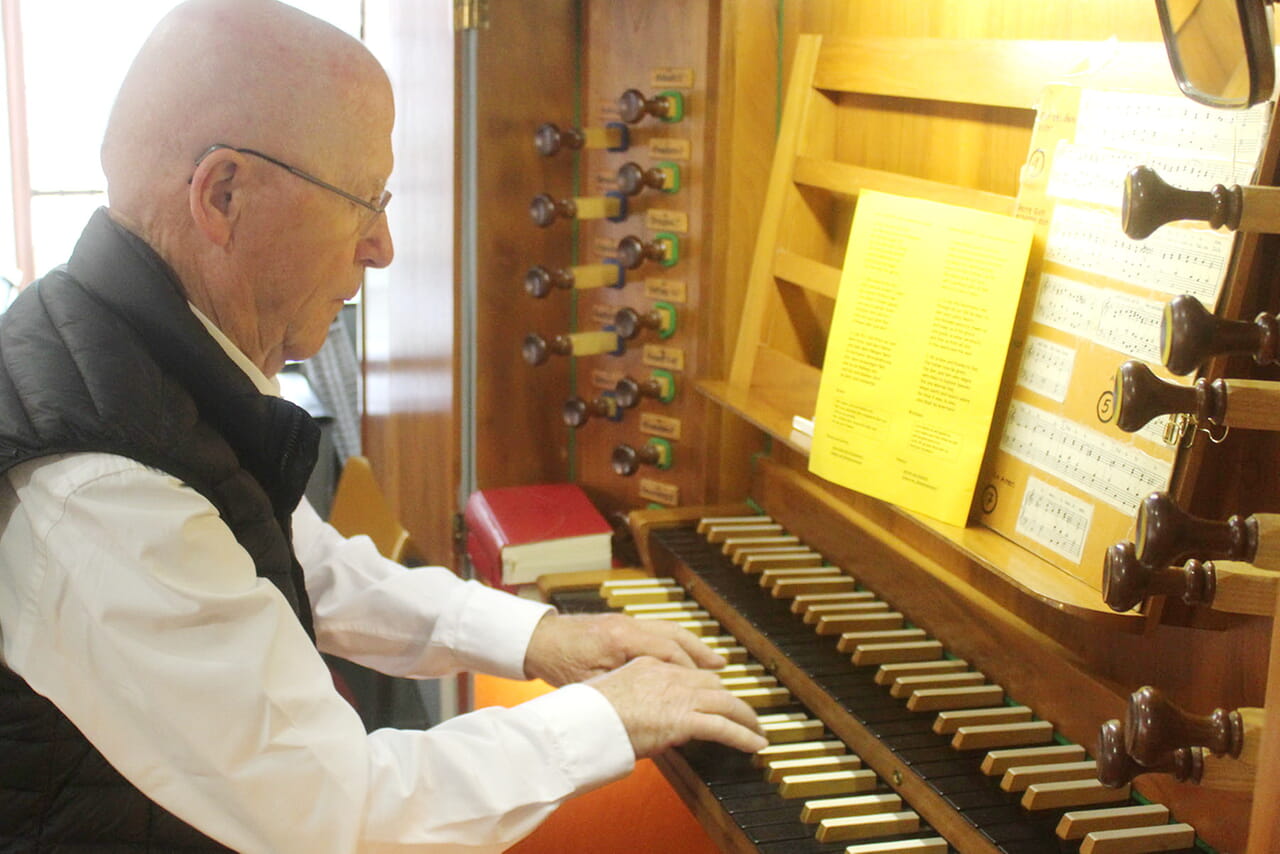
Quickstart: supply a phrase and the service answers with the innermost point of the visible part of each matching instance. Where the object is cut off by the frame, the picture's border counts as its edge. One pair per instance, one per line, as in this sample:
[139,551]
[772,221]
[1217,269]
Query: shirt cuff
[590,740]
[494,629]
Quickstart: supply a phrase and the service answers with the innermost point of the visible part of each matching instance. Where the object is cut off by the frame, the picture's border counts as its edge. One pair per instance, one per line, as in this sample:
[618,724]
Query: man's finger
[718,701]
[693,652]
[707,727]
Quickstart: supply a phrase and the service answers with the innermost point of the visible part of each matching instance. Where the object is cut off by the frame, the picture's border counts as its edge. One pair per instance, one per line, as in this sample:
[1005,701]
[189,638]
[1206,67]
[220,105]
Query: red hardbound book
[517,533]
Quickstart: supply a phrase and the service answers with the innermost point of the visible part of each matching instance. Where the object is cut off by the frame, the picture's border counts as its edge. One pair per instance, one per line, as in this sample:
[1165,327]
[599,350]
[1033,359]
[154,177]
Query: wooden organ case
[650,219]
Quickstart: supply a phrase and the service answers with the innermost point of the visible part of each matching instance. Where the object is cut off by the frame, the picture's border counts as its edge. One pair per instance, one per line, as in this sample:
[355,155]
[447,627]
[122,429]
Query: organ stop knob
[627,459]
[661,318]
[1166,535]
[545,210]
[1116,767]
[540,281]
[1190,335]
[1149,202]
[577,411]
[660,385]
[549,139]
[1236,588]
[667,106]
[632,178]
[664,249]
[537,349]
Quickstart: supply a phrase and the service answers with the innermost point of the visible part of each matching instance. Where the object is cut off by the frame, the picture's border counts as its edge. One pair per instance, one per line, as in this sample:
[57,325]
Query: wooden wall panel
[408,330]
[526,65]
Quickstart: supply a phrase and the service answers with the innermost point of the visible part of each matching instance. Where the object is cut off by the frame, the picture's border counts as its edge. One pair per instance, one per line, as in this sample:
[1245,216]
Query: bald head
[250,73]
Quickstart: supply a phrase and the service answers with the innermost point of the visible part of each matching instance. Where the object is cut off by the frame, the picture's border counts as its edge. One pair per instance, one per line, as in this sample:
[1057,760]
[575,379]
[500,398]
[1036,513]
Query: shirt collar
[266,385]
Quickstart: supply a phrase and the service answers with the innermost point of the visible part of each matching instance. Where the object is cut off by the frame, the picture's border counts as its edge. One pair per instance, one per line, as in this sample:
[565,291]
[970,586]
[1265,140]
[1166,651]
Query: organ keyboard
[881,740]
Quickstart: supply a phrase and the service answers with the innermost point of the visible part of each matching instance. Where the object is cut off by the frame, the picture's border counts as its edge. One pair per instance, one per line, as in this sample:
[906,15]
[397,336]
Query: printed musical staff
[1172,261]
[1170,123]
[1092,175]
[1046,368]
[1122,322]
[1099,466]
[1055,519]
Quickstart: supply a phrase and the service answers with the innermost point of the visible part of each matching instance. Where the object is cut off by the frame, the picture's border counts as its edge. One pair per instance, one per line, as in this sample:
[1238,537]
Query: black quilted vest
[105,355]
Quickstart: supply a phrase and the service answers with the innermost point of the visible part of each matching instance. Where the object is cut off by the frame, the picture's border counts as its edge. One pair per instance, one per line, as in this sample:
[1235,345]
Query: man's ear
[216,195]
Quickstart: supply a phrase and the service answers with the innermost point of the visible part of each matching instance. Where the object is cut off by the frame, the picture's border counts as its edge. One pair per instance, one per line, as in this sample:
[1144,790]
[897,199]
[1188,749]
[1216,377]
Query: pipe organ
[666,207]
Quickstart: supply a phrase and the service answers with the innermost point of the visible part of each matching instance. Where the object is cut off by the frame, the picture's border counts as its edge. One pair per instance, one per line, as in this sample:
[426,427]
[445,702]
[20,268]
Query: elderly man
[163,592]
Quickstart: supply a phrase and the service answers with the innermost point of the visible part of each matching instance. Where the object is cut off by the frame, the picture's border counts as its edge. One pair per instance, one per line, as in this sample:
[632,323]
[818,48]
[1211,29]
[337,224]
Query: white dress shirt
[126,601]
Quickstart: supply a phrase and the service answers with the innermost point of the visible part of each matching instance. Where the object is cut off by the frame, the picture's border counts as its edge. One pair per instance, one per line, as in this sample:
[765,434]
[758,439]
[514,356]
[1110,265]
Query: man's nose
[376,248]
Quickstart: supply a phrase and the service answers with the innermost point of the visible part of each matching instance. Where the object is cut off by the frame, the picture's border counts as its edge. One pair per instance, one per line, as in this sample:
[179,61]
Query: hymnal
[517,533]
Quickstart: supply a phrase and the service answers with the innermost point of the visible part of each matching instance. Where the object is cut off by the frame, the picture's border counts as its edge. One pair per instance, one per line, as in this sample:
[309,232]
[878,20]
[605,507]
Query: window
[74,54]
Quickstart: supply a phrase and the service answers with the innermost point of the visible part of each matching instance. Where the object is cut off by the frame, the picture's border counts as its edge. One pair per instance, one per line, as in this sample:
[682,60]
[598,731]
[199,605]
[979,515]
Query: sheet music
[1117,321]
[1099,466]
[1170,123]
[1092,175]
[1055,519]
[1172,261]
[1046,368]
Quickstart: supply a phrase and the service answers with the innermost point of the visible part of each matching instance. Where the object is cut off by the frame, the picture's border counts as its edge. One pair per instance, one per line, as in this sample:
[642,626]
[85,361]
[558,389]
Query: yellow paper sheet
[918,341]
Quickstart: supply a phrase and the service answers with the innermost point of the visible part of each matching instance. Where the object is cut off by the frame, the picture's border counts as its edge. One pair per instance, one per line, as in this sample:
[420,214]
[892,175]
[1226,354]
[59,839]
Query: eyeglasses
[377,207]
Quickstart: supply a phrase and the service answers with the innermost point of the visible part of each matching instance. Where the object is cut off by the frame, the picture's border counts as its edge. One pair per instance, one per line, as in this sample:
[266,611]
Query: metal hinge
[470,15]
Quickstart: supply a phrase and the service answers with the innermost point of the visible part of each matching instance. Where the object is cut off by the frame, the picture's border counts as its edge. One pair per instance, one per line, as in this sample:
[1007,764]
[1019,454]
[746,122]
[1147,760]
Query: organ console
[632,178]
[549,139]
[1150,202]
[1029,658]
[545,209]
[661,319]
[667,106]
[540,281]
[882,735]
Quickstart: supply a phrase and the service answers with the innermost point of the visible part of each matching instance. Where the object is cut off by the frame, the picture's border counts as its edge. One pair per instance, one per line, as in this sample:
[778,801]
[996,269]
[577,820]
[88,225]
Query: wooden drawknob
[660,385]
[661,318]
[544,209]
[1140,396]
[1190,335]
[1166,534]
[540,281]
[634,106]
[1149,202]
[1116,767]
[549,139]
[627,459]
[1126,581]
[577,411]
[663,249]
[632,178]
[1154,728]
[537,349]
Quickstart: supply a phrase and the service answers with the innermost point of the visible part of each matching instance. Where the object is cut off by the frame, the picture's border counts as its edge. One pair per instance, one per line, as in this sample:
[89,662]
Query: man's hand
[566,649]
[663,705]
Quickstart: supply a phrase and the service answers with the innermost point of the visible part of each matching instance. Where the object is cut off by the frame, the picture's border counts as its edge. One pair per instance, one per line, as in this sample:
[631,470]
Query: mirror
[1220,50]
